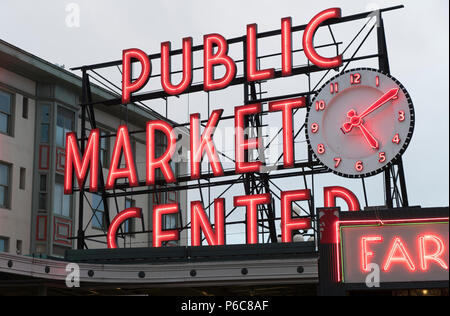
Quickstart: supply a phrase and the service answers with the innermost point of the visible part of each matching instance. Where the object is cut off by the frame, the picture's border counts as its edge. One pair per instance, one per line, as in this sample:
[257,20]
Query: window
[98,219]
[61,203]
[104,149]
[64,124]
[25,108]
[5,113]
[22,179]
[45,124]
[170,221]
[4,244]
[43,192]
[5,178]
[104,146]
[129,224]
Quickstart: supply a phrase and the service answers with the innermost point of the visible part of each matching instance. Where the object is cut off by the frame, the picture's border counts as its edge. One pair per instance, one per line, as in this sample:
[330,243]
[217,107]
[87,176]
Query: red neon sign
[308,40]
[398,254]
[332,193]
[127,85]
[162,162]
[242,144]
[74,161]
[133,212]
[199,221]
[252,73]
[405,249]
[436,257]
[200,144]
[115,172]
[219,58]
[216,235]
[215,53]
[251,202]
[160,235]
[365,252]
[288,224]
[287,106]
[187,68]
[286,46]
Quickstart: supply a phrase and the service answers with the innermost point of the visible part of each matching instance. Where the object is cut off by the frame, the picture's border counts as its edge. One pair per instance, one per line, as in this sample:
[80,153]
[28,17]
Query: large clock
[360,122]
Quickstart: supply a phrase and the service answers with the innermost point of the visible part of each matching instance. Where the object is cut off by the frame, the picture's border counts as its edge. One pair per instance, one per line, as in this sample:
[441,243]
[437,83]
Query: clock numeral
[401,116]
[382,157]
[338,162]
[396,139]
[321,149]
[359,166]
[314,128]
[377,81]
[355,79]
[320,105]
[334,88]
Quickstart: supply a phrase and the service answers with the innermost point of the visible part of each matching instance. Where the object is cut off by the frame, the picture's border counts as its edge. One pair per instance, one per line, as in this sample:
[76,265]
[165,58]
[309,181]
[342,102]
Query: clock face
[360,122]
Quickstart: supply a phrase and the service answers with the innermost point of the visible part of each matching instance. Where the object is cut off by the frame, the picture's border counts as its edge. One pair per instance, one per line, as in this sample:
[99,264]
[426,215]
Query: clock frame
[349,138]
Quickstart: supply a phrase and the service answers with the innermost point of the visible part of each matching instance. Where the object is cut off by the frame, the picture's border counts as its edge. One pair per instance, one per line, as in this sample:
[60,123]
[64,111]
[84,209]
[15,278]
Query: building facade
[39,105]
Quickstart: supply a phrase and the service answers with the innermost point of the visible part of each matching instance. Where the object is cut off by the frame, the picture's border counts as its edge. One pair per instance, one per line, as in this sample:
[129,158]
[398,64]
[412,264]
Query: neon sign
[211,59]
[215,53]
[405,250]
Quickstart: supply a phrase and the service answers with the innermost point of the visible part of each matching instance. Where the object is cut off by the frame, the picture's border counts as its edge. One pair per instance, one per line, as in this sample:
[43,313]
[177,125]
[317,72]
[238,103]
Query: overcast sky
[417,38]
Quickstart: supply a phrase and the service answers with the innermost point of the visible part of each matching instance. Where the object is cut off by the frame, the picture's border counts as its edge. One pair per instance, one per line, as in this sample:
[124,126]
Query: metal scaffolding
[253,183]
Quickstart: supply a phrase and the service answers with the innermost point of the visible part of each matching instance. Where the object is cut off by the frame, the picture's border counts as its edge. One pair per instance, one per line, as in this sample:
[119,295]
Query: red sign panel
[403,250]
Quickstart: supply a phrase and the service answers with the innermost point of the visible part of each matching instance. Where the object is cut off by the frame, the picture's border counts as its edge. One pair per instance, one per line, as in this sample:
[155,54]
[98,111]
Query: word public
[215,53]
[201,143]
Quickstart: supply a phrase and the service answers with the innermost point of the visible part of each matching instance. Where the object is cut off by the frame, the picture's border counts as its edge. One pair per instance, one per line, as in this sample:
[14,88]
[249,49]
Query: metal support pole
[383,60]
[94,126]
[383,65]
[80,236]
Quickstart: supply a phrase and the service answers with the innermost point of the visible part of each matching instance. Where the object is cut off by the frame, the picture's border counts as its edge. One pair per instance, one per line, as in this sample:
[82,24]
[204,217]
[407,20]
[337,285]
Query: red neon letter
[331,193]
[158,234]
[288,131]
[122,143]
[424,257]
[204,143]
[365,253]
[287,223]
[127,86]
[308,40]
[220,58]
[251,202]
[242,145]
[403,258]
[252,73]
[286,47]
[162,162]
[133,212]
[187,67]
[199,220]
[73,159]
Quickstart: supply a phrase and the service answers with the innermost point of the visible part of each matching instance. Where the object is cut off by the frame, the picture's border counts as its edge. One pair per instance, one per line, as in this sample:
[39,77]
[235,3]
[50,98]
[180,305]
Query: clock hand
[369,137]
[390,95]
[355,120]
